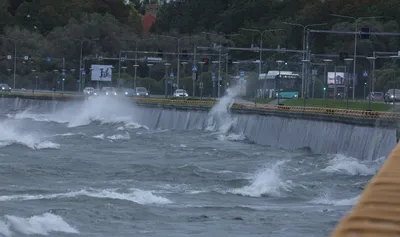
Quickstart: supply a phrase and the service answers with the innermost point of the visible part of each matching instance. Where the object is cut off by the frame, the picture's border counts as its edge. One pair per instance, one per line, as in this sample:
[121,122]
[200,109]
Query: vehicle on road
[5,88]
[378,96]
[392,95]
[88,91]
[109,91]
[141,92]
[180,93]
[288,94]
[96,92]
[129,92]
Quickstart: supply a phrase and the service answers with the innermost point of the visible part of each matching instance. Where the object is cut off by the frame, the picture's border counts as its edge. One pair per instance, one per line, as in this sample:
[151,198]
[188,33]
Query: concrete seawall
[360,137]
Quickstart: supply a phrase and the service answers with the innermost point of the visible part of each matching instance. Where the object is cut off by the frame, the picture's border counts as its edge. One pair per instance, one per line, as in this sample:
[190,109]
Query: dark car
[392,95]
[129,92]
[5,88]
[141,91]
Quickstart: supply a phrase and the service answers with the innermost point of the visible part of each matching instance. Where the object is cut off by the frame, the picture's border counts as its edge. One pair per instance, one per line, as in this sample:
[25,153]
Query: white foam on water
[100,136]
[352,166]
[136,195]
[11,134]
[35,225]
[327,200]
[125,136]
[106,109]
[266,181]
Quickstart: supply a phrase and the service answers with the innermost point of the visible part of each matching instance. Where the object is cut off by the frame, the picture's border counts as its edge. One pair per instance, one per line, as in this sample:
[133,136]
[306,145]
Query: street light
[15,56]
[201,85]
[394,57]
[326,62]
[304,47]
[219,55]
[261,42]
[81,53]
[166,78]
[279,62]
[355,42]
[348,61]
[372,63]
[149,65]
[179,53]
[304,83]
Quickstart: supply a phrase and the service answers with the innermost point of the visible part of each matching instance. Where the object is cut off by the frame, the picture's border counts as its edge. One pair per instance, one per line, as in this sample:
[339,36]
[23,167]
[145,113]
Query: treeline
[48,28]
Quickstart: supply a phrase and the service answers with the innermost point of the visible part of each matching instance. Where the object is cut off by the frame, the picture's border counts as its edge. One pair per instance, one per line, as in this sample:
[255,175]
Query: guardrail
[330,111]
[210,103]
[377,213]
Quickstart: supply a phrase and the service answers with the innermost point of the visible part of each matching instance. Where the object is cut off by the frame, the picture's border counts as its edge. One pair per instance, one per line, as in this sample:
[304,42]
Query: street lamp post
[395,57]
[304,48]
[326,62]
[279,62]
[179,54]
[219,56]
[304,83]
[201,85]
[15,58]
[81,55]
[355,43]
[261,43]
[348,61]
[372,62]
[166,78]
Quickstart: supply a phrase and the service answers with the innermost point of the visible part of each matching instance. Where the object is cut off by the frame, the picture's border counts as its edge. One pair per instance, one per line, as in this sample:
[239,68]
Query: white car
[180,93]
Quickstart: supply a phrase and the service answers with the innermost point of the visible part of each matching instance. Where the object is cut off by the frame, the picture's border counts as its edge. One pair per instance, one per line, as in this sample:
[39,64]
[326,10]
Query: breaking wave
[135,195]
[35,225]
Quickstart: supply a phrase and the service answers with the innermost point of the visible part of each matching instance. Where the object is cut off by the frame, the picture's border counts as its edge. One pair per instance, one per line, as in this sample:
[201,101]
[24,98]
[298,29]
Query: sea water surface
[93,170]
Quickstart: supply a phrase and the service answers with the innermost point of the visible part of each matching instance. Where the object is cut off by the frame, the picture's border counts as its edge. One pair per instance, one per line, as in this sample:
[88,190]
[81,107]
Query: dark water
[93,170]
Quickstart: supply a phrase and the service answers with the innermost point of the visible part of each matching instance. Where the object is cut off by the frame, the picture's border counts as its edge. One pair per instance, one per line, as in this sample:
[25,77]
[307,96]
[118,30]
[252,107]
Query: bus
[288,94]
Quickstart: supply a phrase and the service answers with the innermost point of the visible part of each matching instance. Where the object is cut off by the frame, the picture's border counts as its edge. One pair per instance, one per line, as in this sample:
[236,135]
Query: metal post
[166,81]
[179,64]
[354,61]
[219,68]
[135,66]
[347,87]
[325,83]
[80,65]
[194,73]
[226,71]
[334,85]
[15,62]
[119,68]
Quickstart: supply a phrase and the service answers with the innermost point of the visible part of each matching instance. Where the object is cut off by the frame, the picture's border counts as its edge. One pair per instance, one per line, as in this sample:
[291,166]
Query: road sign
[63,73]
[193,76]
[194,68]
[83,73]
[241,74]
[9,56]
[213,76]
[219,78]
[365,74]
[26,57]
[169,81]
[58,82]
[171,75]
[201,85]
[314,72]
[48,59]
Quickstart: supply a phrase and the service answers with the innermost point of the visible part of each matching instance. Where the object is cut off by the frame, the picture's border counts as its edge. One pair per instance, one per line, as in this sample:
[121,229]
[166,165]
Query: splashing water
[219,116]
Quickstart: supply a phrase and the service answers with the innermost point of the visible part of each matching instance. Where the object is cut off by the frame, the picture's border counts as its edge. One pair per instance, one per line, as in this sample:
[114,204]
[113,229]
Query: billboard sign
[101,72]
[340,78]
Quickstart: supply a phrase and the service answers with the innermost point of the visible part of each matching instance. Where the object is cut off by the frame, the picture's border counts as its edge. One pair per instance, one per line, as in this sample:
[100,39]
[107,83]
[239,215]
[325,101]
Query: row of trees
[43,28]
